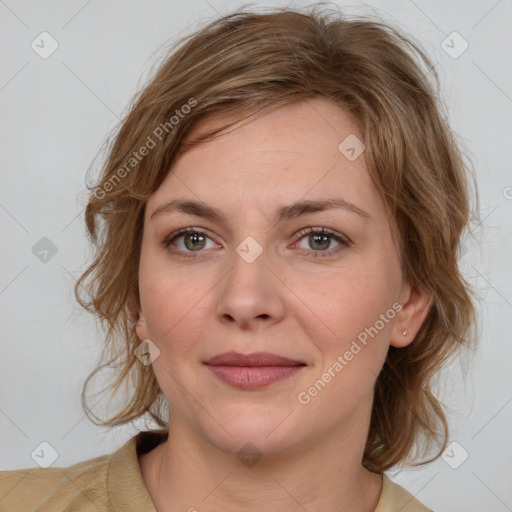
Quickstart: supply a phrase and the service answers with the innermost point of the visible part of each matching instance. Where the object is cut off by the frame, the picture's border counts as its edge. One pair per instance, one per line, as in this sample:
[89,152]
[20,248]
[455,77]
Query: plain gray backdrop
[56,111]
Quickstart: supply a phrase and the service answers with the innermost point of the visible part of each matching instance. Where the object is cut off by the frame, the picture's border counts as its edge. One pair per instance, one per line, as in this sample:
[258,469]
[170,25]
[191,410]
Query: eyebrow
[285,212]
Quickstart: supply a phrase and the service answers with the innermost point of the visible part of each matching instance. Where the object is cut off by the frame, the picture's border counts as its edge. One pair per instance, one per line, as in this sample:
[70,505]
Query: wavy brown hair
[247,63]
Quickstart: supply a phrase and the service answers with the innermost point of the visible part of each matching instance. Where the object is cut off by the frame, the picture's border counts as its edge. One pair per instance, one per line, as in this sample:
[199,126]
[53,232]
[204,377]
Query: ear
[141,328]
[416,304]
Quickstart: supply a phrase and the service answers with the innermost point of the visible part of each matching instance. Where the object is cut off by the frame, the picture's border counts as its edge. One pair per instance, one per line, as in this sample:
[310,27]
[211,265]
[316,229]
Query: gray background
[55,114]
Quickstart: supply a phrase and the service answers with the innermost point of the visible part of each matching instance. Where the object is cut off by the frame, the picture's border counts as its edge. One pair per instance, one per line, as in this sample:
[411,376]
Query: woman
[277,263]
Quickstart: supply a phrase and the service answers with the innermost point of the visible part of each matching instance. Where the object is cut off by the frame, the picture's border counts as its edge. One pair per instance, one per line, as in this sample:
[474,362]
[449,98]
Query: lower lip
[253,377]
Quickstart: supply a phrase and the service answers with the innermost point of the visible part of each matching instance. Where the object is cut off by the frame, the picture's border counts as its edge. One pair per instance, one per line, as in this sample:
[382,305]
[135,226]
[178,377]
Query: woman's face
[257,281]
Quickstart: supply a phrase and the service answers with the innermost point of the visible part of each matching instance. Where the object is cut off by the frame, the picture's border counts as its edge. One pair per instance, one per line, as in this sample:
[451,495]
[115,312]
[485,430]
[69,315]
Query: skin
[286,301]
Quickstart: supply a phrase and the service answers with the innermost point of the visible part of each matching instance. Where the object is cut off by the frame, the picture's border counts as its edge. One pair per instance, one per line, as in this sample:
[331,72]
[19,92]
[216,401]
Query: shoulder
[82,486]
[108,482]
[395,498]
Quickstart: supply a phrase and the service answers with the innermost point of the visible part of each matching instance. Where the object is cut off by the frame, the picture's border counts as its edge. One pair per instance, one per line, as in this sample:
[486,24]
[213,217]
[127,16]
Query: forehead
[292,152]
[297,125]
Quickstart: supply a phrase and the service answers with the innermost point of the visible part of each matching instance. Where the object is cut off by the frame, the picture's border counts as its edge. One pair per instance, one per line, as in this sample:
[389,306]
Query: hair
[247,63]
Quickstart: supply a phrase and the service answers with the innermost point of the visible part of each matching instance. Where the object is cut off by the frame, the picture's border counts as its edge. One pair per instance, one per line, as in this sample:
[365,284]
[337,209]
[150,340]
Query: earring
[405,333]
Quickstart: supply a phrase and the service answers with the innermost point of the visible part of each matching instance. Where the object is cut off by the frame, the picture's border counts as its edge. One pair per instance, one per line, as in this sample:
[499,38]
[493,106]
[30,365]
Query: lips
[254,359]
[252,371]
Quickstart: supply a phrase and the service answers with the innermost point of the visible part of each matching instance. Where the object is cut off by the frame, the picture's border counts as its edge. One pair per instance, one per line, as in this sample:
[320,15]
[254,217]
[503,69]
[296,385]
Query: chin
[263,432]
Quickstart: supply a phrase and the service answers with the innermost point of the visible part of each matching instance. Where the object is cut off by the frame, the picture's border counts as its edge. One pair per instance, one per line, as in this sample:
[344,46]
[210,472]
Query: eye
[194,240]
[319,239]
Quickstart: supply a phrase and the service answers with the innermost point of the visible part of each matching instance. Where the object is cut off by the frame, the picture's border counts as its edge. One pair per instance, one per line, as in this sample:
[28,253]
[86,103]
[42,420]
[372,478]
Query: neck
[188,472]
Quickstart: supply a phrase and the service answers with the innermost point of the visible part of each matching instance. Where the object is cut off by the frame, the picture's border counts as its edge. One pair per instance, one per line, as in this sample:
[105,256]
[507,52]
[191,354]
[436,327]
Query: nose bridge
[251,290]
[250,262]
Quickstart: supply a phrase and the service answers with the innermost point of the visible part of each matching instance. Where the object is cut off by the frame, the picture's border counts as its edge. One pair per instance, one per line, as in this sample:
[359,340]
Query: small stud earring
[405,333]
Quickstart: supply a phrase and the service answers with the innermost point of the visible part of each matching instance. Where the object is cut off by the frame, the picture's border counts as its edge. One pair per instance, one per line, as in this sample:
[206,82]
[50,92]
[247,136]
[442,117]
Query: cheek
[352,339]
[357,319]
[173,304]
[346,302]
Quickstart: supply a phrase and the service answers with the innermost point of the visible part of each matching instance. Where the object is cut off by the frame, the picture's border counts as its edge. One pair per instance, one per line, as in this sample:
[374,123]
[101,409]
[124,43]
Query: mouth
[252,371]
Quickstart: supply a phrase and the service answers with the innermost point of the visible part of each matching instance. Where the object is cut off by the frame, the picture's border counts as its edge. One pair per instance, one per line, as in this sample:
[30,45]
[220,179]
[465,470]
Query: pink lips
[252,371]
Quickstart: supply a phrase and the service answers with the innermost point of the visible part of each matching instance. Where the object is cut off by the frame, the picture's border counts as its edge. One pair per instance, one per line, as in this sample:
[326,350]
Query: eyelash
[317,254]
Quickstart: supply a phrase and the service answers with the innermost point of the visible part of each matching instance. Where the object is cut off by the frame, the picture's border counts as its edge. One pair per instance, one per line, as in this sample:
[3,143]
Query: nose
[251,292]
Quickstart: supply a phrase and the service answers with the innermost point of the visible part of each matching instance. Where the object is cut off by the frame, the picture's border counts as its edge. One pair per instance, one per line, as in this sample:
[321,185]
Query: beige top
[114,483]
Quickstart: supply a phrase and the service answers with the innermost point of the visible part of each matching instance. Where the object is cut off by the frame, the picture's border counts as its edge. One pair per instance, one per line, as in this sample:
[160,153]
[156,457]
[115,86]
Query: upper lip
[254,359]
